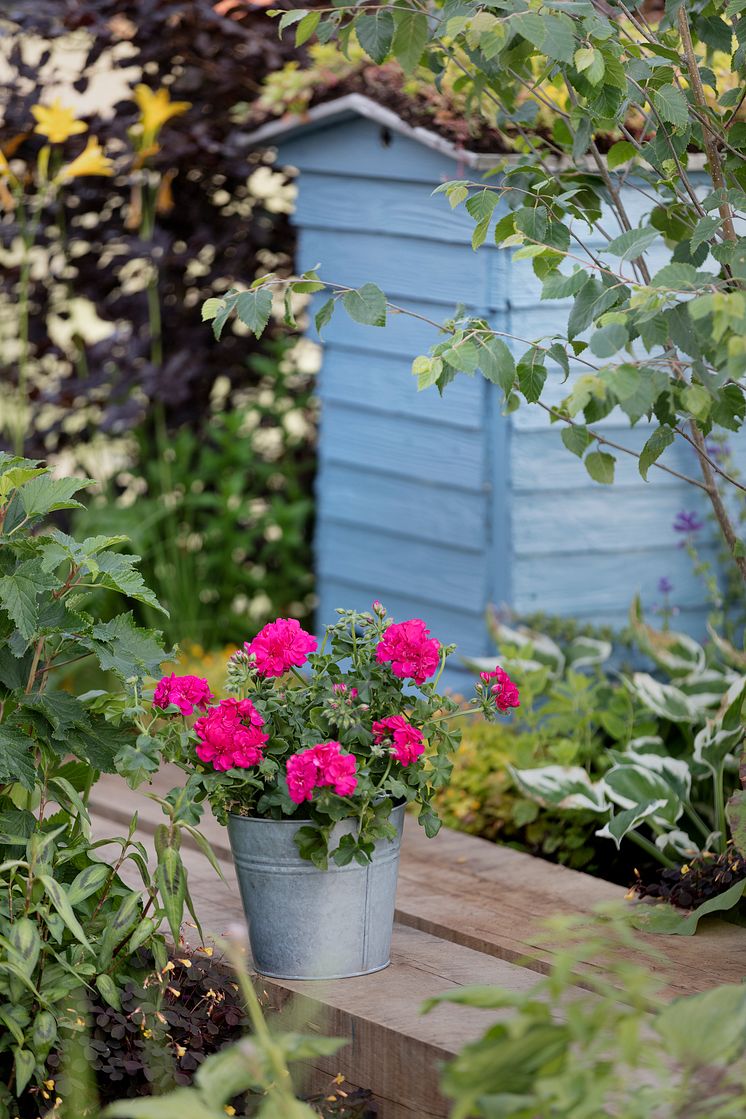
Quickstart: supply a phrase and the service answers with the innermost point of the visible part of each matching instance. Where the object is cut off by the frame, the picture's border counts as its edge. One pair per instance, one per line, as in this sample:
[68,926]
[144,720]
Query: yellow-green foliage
[483,800]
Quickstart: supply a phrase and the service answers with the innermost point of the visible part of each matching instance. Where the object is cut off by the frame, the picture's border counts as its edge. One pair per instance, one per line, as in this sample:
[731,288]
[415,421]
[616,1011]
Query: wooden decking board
[482,896]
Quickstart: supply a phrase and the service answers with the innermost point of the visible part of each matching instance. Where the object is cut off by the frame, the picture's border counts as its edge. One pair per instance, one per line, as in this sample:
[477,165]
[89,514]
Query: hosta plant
[67,918]
[363,729]
[662,771]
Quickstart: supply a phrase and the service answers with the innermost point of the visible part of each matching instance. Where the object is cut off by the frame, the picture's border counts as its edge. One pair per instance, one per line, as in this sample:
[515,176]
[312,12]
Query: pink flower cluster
[321,765]
[407,741]
[505,692]
[412,652]
[231,735]
[187,692]
[280,645]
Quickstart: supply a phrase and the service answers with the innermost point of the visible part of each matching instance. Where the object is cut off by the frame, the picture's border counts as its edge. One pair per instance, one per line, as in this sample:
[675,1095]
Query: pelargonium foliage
[321,735]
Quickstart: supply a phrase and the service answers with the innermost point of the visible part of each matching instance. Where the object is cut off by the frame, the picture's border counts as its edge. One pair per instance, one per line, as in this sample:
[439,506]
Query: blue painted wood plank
[462,627]
[360,147]
[398,505]
[408,448]
[405,209]
[413,568]
[571,584]
[412,269]
[384,383]
[540,463]
[604,519]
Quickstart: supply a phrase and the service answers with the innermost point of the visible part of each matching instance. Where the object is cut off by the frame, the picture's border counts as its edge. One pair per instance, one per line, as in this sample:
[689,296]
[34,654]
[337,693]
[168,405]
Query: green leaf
[531,378]
[735,811]
[306,28]
[590,62]
[410,39]
[705,1029]
[119,573]
[170,878]
[289,18]
[630,244]
[87,882]
[45,494]
[366,305]
[108,990]
[17,757]
[561,786]
[622,823]
[669,920]
[576,439]
[19,594]
[554,36]
[59,899]
[620,153]
[182,1103]
[25,944]
[704,230]
[124,648]
[671,105]
[609,340]
[210,309]
[25,1064]
[254,309]
[559,286]
[697,401]
[665,700]
[532,221]
[497,363]
[463,356]
[661,438]
[600,466]
[324,314]
[375,34]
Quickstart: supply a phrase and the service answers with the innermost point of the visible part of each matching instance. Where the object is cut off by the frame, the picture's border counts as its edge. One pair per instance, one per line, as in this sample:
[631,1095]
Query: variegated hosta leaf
[631,786]
[713,744]
[647,744]
[665,700]
[621,823]
[528,643]
[736,658]
[678,653]
[678,842]
[674,771]
[512,665]
[706,689]
[585,652]
[731,707]
[562,786]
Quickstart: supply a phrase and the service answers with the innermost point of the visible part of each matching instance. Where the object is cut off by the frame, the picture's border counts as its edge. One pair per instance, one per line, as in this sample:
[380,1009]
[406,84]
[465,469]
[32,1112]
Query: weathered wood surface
[468,912]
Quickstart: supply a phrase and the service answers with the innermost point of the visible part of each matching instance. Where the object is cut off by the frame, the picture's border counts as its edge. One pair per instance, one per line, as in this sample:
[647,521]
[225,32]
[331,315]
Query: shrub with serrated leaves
[66,916]
[642,242]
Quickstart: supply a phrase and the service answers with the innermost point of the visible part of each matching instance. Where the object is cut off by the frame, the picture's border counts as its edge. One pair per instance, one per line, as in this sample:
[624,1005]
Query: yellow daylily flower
[57,122]
[91,161]
[156,107]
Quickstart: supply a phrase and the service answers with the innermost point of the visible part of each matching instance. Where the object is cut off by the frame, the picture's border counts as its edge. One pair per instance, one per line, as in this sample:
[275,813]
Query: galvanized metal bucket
[306,923]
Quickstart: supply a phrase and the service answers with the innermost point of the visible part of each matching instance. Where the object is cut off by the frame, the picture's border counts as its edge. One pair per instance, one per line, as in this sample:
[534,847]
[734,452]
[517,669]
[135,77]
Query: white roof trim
[356,104]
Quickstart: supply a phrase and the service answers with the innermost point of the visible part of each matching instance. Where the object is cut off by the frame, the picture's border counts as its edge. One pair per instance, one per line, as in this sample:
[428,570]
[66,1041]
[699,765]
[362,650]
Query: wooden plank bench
[468,911]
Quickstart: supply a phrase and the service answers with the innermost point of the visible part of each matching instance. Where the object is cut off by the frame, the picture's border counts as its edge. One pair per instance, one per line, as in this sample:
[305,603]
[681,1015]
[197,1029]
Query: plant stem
[719,800]
[646,845]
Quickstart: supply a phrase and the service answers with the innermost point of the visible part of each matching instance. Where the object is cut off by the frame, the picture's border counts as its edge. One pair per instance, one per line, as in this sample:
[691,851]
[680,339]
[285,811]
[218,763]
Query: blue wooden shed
[441,506]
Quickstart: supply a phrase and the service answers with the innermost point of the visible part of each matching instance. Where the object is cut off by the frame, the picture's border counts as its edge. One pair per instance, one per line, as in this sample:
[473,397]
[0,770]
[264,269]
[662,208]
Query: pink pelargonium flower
[231,735]
[322,765]
[410,649]
[188,693]
[407,741]
[280,645]
[505,692]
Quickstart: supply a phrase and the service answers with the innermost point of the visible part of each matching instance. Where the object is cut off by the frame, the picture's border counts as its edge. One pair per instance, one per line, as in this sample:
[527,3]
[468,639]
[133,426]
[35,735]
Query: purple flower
[665,586]
[718,451]
[687,522]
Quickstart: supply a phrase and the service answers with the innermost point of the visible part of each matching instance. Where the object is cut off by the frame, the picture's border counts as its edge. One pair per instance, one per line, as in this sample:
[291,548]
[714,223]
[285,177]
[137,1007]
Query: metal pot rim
[296,823]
